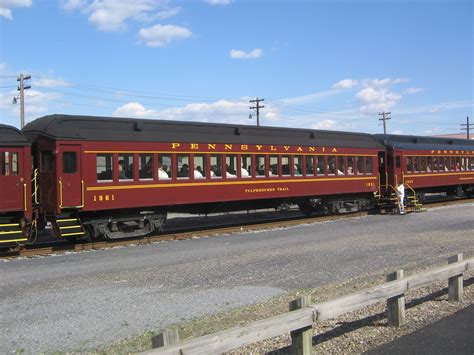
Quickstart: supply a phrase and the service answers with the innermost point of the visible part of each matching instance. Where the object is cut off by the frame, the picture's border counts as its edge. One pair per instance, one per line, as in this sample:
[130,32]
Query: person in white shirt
[198,173]
[244,173]
[401,198]
[162,174]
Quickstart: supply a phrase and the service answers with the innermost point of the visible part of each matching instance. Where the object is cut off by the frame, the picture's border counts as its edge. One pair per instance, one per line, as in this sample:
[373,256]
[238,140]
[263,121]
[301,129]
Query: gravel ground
[89,300]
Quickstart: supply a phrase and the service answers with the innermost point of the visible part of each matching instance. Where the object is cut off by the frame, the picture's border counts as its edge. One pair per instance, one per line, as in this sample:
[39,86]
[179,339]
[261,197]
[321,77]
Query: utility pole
[257,107]
[384,119]
[21,88]
[467,126]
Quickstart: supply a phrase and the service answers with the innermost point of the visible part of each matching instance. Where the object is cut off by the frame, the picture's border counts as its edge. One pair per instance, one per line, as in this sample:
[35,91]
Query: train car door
[70,177]
[12,195]
[395,168]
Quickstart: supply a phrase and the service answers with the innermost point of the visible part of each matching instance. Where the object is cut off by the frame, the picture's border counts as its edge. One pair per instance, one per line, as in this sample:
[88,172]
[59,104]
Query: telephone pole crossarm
[384,119]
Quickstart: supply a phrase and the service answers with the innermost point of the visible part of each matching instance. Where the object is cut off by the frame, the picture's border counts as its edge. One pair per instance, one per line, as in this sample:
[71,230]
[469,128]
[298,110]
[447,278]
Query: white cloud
[112,15]
[7,5]
[326,124]
[411,91]
[345,84]
[226,111]
[36,103]
[161,35]
[218,2]
[309,98]
[239,54]
[377,99]
[383,82]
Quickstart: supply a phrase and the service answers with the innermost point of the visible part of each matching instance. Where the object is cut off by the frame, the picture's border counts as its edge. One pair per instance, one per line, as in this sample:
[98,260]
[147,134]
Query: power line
[257,107]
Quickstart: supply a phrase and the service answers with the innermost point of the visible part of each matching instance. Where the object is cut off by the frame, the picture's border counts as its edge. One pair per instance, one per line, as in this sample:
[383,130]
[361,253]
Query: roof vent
[311,135]
[138,126]
[450,141]
[237,131]
[415,140]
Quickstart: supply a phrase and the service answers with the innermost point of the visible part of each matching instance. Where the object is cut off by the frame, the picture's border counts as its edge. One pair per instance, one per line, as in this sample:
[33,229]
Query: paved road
[452,335]
[84,300]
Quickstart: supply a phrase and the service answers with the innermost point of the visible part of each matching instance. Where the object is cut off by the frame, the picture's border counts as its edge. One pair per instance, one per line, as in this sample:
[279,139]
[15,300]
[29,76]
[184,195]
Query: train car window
[298,165]
[125,167]
[397,161]
[341,165]
[331,166]
[422,164]
[199,166]
[322,165]
[416,164]
[164,167]
[246,169]
[260,165]
[216,166]
[434,166]
[14,164]
[285,165]
[5,163]
[231,166]
[104,167]
[309,160]
[458,166]
[472,163]
[350,165]
[447,164]
[69,162]
[274,169]
[464,163]
[441,166]
[360,165]
[410,164]
[429,164]
[145,166]
[369,165]
[46,161]
[182,161]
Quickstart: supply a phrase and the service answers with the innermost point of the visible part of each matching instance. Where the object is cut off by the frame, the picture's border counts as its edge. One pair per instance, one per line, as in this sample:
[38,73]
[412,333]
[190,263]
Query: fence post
[455,286]
[168,337]
[396,305]
[301,339]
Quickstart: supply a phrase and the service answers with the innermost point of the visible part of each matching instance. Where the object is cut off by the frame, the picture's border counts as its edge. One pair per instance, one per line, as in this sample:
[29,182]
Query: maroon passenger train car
[15,185]
[430,164]
[118,177]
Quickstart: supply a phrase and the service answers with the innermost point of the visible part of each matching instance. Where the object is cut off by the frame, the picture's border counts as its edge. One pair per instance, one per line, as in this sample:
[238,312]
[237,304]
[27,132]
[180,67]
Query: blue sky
[318,64]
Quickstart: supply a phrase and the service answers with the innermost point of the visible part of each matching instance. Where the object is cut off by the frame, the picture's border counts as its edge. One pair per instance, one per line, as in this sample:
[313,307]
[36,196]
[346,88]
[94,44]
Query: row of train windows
[9,164]
[231,166]
[439,164]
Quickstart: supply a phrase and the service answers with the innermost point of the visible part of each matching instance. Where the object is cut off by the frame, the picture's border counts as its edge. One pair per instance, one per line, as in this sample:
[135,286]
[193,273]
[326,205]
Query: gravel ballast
[90,300]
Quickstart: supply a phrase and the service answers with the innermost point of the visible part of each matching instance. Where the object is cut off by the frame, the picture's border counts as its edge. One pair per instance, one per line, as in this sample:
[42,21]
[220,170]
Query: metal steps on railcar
[70,227]
[10,231]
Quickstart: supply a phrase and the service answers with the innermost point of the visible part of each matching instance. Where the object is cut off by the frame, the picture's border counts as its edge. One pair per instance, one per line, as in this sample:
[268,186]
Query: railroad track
[199,231]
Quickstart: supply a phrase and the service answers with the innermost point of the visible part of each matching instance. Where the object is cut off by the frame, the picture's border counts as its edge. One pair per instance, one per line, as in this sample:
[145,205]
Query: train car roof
[90,128]
[12,137]
[424,143]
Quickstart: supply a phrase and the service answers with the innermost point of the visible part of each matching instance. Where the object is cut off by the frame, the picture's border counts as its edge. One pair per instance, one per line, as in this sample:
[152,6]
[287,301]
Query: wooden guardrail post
[168,337]
[396,305]
[301,339]
[455,283]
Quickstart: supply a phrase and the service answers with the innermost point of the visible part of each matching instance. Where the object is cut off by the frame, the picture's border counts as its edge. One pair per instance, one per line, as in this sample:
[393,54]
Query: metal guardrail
[300,320]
